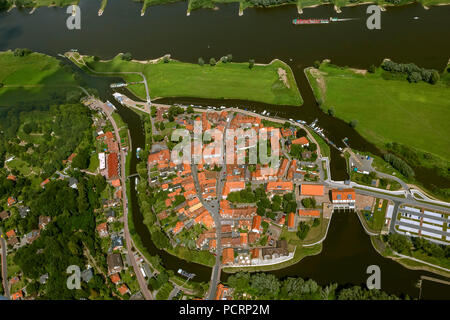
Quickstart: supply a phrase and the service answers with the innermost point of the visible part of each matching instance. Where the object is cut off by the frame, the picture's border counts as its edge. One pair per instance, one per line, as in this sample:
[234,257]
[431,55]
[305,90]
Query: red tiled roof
[256,223]
[115,183]
[227,255]
[178,227]
[308,213]
[311,189]
[280,186]
[115,278]
[231,186]
[11,201]
[291,220]
[123,289]
[301,141]
[10,233]
[244,238]
[17,295]
[113,166]
[343,195]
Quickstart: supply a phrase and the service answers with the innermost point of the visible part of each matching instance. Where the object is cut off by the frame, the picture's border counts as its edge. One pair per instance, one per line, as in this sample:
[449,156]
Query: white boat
[186,274]
[264,112]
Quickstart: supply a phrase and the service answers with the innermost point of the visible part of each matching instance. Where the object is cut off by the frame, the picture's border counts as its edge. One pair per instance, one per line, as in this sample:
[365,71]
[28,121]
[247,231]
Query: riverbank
[405,261]
[300,253]
[272,83]
[414,116]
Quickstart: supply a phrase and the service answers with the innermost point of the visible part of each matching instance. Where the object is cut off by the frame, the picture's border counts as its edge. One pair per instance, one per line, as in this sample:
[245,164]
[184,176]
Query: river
[261,34]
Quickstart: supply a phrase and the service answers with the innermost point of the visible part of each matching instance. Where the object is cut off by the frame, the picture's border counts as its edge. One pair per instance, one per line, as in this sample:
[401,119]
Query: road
[213,209]
[141,280]
[4,265]
[215,277]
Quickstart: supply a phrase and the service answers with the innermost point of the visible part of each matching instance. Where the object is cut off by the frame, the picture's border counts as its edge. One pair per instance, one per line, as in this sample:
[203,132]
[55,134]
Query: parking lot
[420,222]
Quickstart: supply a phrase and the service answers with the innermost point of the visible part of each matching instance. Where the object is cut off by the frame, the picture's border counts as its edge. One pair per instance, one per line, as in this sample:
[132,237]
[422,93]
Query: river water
[263,35]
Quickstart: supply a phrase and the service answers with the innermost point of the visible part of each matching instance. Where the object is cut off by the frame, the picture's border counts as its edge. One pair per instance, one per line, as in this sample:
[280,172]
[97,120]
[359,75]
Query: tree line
[408,245]
[399,164]
[268,287]
[413,72]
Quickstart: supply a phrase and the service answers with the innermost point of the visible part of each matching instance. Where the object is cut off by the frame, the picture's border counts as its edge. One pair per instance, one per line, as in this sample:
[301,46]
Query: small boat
[137,152]
[416,18]
[186,274]
[264,112]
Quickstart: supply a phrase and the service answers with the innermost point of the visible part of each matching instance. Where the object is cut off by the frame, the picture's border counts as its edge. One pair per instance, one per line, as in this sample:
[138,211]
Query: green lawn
[35,77]
[414,114]
[164,291]
[223,81]
[33,69]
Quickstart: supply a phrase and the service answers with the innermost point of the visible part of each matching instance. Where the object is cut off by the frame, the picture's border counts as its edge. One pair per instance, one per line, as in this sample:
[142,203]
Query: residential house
[280,187]
[4,215]
[227,256]
[87,275]
[11,233]
[115,263]
[303,141]
[102,230]
[116,242]
[123,289]
[23,211]
[256,224]
[43,222]
[11,201]
[32,236]
[115,278]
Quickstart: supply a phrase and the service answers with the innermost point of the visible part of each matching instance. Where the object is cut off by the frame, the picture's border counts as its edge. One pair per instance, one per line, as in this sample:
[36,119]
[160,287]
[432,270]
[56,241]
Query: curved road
[141,280]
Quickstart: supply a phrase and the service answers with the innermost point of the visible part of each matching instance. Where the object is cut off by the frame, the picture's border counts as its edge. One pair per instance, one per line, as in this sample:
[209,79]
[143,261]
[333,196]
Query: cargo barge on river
[313,21]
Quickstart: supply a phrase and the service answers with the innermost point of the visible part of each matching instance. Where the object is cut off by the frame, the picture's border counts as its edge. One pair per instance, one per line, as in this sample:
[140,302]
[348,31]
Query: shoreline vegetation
[406,127]
[272,83]
[212,4]
[384,250]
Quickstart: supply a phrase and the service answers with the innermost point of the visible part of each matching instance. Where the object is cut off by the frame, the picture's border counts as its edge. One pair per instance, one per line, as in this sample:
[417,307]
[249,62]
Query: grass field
[33,69]
[35,77]
[414,114]
[223,81]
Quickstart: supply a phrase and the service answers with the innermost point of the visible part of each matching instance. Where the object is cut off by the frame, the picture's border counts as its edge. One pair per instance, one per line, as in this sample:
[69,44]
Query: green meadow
[33,77]
[222,81]
[413,114]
